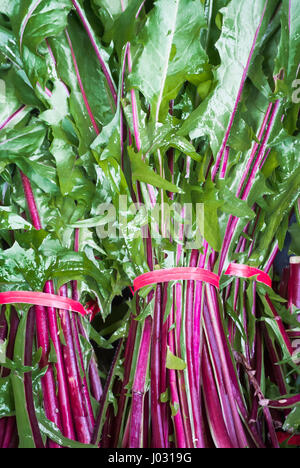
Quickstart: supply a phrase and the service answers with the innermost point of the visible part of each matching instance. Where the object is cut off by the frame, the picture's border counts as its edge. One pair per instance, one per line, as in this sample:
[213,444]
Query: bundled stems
[70,399]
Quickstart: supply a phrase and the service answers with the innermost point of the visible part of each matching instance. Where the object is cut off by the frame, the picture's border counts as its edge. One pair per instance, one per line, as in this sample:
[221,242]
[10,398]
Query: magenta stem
[158,440]
[287,402]
[221,344]
[225,163]
[80,83]
[138,389]
[26,20]
[96,387]
[88,29]
[73,376]
[233,221]
[194,394]
[244,77]
[175,398]
[47,321]
[294,285]
[30,330]
[11,117]
[63,393]
[213,406]
[34,214]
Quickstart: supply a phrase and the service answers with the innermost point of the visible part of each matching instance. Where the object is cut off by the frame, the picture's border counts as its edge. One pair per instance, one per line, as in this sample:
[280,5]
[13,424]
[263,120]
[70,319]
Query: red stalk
[8,425]
[158,439]
[86,102]
[63,394]
[103,402]
[96,387]
[123,394]
[88,29]
[233,221]
[163,377]
[10,430]
[212,347]
[199,439]
[46,322]
[288,402]
[73,376]
[175,397]
[212,404]
[213,309]
[138,389]
[11,117]
[30,329]
[294,282]
[241,88]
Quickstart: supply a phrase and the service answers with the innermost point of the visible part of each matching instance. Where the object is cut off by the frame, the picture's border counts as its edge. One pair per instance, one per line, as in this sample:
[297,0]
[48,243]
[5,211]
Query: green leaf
[174,362]
[143,173]
[7,7]
[288,58]
[214,21]
[125,26]
[25,141]
[58,103]
[240,41]
[34,20]
[7,405]
[49,429]
[165,397]
[9,47]
[174,408]
[26,439]
[286,192]
[292,422]
[11,221]
[170,51]
[89,93]
[65,158]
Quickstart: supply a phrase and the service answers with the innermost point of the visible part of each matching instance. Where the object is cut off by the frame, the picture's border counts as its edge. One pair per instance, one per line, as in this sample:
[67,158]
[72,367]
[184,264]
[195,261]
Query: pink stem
[175,399]
[244,77]
[158,440]
[47,321]
[225,163]
[26,20]
[138,389]
[86,102]
[73,376]
[11,117]
[233,221]
[96,49]
[134,107]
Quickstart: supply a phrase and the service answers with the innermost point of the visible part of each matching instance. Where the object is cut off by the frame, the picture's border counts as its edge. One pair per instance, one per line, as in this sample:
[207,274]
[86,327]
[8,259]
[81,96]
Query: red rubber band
[42,299]
[244,271]
[173,274]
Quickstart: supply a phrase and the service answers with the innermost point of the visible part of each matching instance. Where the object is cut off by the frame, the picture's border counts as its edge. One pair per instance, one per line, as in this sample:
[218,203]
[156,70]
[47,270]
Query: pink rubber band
[176,274]
[244,271]
[42,299]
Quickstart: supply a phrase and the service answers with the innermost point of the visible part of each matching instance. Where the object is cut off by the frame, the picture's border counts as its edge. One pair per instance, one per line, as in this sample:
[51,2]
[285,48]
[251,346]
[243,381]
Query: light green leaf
[244,25]
[12,221]
[170,52]
[143,173]
[174,362]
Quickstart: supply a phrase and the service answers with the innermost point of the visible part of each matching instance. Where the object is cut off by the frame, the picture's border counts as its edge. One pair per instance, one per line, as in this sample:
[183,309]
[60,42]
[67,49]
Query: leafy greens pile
[138,136]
